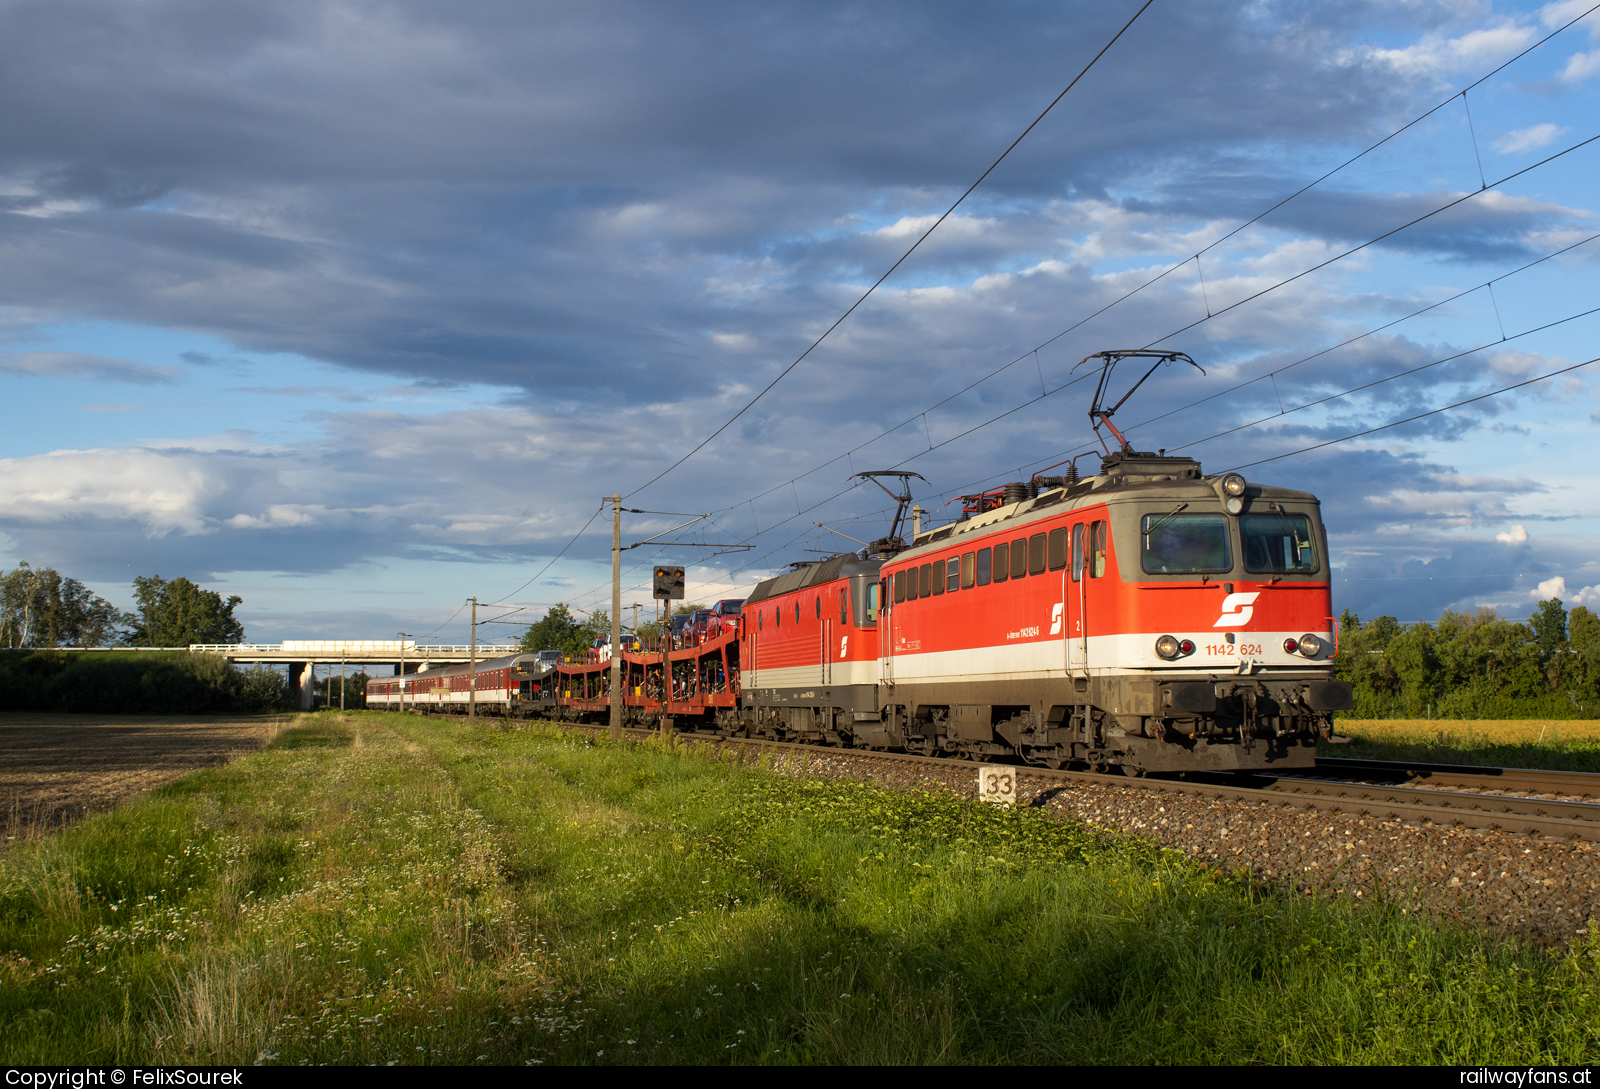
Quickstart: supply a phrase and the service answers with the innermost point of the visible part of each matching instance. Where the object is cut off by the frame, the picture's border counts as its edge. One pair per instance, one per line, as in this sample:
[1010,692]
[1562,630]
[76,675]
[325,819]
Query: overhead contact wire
[766,389]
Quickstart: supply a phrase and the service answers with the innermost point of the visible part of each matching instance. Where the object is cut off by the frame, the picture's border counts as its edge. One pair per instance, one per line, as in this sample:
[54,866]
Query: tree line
[1474,666]
[560,630]
[44,615]
[41,608]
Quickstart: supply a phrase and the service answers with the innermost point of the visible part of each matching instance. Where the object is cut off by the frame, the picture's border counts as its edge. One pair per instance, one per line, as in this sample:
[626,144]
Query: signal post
[667,586]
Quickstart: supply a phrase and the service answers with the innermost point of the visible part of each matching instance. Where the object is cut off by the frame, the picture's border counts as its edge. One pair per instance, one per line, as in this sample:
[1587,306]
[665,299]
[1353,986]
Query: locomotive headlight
[1168,647]
[1233,484]
[1310,646]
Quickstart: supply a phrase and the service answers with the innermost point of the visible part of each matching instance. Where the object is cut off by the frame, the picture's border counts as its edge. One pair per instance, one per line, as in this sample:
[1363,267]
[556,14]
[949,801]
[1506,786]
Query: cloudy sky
[357,309]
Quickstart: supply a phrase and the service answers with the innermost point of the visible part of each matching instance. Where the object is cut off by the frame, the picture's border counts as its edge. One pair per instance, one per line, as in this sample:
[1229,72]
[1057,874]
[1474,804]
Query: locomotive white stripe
[1043,660]
[810,676]
[1108,654]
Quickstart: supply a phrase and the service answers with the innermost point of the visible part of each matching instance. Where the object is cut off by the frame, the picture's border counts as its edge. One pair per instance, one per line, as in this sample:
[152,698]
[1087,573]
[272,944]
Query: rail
[1574,820]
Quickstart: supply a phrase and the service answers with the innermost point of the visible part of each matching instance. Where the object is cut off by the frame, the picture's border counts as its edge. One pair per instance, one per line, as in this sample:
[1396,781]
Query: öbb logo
[1236,610]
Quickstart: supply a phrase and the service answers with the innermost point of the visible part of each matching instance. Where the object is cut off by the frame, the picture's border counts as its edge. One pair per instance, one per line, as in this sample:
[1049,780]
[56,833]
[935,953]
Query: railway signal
[669,583]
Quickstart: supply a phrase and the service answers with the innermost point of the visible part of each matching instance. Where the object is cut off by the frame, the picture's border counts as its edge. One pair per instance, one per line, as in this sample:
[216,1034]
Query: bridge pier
[302,684]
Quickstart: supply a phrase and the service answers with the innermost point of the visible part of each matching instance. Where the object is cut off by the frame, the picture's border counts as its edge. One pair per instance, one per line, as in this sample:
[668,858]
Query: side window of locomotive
[1097,550]
[1184,544]
[953,574]
[926,579]
[797,610]
[1058,548]
[777,617]
[1019,558]
[1002,562]
[874,595]
[983,568]
[819,607]
[1036,554]
[1278,543]
[937,576]
[844,605]
[761,620]
[1077,552]
[969,570]
[900,581]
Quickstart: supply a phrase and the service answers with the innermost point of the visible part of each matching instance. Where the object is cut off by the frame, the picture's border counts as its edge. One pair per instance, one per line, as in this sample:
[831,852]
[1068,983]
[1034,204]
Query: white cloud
[1515,535]
[1556,587]
[1581,67]
[1589,596]
[1528,138]
[78,365]
[279,514]
[1435,53]
[909,227]
[1564,11]
[165,493]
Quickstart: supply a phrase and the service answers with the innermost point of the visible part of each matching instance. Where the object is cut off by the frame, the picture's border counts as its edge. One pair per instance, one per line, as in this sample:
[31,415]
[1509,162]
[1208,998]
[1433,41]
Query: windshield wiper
[1163,522]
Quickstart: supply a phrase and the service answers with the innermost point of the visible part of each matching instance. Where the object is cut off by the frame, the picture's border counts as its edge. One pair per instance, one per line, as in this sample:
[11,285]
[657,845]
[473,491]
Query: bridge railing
[484,649]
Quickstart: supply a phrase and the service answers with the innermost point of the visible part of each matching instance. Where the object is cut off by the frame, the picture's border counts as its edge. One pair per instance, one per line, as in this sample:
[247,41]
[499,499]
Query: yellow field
[1469,732]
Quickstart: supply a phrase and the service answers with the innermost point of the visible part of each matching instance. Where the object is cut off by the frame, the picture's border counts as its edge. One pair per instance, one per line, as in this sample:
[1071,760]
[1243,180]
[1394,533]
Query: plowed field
[57,767]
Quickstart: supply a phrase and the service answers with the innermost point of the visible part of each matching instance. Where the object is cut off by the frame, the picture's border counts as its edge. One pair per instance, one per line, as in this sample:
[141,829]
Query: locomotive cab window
[873,597]
[844,605]
[1278,543]
[983,568]
[1077,552]
[1175,543]
[1097,550]
[900,581]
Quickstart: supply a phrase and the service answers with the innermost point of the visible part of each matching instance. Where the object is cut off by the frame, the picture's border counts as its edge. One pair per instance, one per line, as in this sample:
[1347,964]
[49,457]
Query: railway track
[1452,795]
[1584,784]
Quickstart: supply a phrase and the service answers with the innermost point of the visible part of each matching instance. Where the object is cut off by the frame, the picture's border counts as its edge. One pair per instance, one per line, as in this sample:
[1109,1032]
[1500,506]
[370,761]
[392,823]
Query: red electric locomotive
[1149,618]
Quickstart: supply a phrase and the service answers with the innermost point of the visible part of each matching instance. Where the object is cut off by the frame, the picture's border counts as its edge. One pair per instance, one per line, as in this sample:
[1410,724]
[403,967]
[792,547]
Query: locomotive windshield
[1185,543]
[1278,543]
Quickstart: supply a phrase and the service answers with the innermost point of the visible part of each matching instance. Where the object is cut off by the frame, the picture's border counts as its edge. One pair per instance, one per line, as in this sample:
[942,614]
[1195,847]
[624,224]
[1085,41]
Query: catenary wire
[1418,416]
[1088,443]
[1207,248]
[923,237]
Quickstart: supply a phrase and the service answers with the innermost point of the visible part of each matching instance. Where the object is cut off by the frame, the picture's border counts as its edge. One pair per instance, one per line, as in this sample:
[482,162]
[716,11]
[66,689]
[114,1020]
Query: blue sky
[357,309]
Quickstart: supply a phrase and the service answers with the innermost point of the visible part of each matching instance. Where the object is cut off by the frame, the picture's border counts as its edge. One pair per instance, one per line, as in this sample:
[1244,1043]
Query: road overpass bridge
[298,654]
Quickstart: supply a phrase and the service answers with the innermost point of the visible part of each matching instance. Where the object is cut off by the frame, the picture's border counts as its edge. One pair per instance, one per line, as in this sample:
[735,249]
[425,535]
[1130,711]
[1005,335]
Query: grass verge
[1556,744]
[383,890]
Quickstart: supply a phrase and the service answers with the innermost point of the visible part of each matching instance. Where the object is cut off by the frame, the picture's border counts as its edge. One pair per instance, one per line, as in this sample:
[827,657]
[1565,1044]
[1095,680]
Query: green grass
[382,890]
[1557,745]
